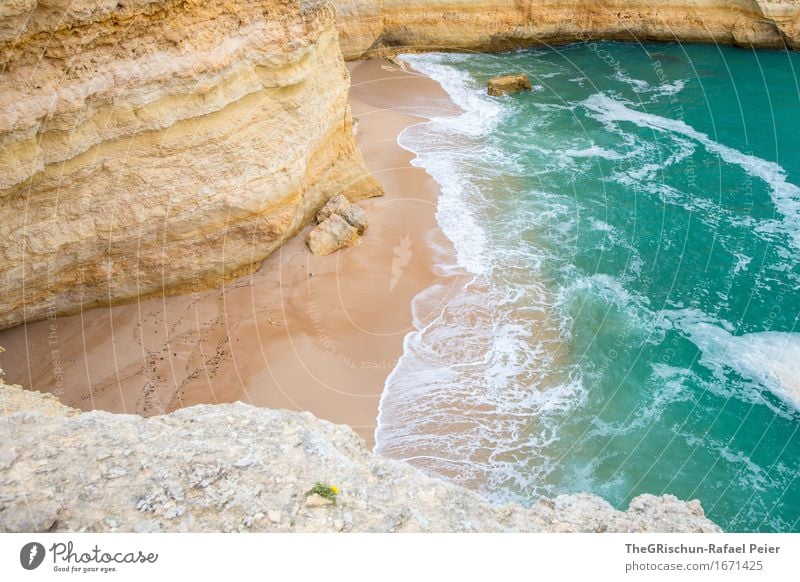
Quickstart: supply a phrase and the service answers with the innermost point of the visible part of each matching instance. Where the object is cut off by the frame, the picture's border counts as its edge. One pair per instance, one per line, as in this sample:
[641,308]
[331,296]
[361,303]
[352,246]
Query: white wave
[473,397]
[643,87]
[601,225]
[457,219]
[785,196]
[668,385]
[671,88]
[769,358]
[595,152]
[636,84]
[481,114]
[611,290]
[742,262]
[443,146]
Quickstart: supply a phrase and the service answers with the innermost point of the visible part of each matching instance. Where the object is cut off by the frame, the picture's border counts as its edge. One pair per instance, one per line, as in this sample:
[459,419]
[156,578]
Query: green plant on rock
[329,492]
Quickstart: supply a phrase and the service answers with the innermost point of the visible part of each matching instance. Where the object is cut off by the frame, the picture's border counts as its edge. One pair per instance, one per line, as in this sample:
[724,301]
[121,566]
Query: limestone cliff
[151,145]
[166,145]
[373,28]
[234,467]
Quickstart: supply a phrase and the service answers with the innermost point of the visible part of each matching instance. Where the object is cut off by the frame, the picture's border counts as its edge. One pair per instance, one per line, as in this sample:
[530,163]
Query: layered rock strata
[162,145]
[235,467]
[151,146]
[370,28]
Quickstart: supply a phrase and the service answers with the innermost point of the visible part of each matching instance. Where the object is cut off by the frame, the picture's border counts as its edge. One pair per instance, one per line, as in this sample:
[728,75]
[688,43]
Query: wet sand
[302,333]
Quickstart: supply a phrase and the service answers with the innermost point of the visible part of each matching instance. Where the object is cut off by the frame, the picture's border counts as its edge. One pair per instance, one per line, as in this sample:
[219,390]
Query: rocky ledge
[370,28]
[235,467]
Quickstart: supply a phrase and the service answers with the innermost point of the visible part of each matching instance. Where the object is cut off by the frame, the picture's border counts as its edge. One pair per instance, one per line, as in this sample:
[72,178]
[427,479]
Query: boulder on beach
[335,205]
[354,215]
[509,84]
[332,234]
[339,225]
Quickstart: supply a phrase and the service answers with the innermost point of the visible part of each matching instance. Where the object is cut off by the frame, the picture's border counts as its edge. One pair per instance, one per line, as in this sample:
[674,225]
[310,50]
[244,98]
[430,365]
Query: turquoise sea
[623,317]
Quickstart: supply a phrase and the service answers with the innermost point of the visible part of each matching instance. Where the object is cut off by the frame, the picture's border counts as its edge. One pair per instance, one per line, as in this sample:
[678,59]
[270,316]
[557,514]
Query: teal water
[630,233]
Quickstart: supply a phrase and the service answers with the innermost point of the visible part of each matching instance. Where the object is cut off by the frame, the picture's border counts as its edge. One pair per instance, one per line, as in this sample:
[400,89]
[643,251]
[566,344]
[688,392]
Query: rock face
[339,225]
[234,467]
[153,145]
[370,28]
[508,84]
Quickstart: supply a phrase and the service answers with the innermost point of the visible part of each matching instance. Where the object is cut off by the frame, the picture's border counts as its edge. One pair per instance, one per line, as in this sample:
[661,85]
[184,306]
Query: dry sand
[303,332]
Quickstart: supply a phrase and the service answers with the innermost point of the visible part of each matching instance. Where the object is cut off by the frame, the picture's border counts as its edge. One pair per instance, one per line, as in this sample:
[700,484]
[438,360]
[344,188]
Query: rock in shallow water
[509,84]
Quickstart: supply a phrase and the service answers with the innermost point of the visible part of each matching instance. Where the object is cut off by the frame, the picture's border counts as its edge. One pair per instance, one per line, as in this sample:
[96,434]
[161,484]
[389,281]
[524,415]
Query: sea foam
[769,358]
[785,195]
[473,397]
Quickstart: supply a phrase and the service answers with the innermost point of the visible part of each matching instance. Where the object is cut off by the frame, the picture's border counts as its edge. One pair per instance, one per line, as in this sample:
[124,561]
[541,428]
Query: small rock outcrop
[354,215]
[339,225]
[331,235]
[235,467]
[336,205]
[508,84]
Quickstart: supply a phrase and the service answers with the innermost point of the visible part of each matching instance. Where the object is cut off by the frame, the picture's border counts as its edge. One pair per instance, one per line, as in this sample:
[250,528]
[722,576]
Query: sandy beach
[302,333]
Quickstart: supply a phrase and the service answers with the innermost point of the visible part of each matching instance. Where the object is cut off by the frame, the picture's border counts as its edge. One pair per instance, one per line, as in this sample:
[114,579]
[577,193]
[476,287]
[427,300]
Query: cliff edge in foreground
[235,467]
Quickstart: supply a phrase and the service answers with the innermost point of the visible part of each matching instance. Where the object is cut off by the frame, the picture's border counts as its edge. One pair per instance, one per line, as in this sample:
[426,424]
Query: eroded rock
[355,216]
[335,205]
[331,235]
[509,84]
[177,473]
[371,28]
[340,224]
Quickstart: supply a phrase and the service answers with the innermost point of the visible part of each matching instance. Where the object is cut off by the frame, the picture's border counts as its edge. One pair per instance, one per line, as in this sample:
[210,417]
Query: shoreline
[301,333]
